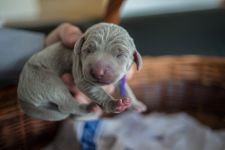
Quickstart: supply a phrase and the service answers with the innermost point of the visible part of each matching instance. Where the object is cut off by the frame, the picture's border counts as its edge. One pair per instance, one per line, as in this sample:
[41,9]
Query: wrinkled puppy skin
[102,56]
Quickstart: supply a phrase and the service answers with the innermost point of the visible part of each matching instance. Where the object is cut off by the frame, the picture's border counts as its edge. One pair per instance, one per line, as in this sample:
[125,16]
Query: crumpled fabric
[132,131]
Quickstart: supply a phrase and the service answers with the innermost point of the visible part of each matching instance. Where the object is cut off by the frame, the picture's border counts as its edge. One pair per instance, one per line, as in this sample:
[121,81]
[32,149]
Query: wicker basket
[19,131]
[194,84]
[170,84]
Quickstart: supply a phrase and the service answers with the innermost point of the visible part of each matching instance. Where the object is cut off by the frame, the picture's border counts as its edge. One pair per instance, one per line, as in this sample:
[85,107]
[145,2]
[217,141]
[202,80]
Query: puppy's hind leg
[42,112]
[39,86]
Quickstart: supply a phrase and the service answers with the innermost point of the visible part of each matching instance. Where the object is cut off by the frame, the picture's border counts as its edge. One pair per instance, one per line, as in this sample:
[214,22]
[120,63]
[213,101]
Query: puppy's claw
[122,105]
[127,101]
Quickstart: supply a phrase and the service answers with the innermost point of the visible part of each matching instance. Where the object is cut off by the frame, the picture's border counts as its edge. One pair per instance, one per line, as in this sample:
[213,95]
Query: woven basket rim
[187,57]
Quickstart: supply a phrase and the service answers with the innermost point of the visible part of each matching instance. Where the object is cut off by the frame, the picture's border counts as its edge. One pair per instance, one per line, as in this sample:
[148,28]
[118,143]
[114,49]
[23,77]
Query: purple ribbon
[123,81]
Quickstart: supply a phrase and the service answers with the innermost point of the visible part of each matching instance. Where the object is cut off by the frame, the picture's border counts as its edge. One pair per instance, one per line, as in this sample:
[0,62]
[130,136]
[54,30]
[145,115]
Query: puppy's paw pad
[126,101]
[122,105]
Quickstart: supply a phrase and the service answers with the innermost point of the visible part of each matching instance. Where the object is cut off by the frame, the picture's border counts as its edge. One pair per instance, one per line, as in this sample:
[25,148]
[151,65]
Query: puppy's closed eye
[121,54]
[88,50]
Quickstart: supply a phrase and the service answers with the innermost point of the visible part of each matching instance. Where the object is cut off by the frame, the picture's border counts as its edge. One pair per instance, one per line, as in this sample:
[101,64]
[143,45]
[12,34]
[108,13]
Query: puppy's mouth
[99,77]
[99,82]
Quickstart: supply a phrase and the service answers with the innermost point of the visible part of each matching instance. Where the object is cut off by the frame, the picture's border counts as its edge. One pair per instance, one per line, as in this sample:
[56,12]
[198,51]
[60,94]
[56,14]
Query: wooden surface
[112,14]
[57,11]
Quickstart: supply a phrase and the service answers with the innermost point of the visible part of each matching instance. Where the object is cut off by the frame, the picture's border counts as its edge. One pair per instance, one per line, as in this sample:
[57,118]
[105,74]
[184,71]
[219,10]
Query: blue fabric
[89,132]
[90,127]
[16,47]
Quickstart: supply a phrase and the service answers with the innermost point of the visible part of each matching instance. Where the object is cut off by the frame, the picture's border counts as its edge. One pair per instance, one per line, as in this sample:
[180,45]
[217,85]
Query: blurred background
[158,27]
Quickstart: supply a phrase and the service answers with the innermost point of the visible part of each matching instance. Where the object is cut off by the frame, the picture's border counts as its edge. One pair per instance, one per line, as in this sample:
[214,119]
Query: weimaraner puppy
[102,56]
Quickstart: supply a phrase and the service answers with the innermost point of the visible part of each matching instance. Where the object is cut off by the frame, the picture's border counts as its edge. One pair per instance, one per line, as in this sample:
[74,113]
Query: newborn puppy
[102,56]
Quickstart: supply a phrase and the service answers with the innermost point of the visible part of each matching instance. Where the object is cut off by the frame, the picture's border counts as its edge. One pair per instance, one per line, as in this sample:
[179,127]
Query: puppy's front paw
[121,105]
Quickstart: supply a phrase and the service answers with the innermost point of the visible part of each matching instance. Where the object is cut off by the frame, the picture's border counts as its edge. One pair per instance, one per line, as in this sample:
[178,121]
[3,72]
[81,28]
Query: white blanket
[156,131]
[132,131]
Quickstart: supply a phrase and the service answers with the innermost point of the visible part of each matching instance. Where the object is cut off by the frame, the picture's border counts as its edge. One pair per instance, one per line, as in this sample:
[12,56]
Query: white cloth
[131,131]
[157,132]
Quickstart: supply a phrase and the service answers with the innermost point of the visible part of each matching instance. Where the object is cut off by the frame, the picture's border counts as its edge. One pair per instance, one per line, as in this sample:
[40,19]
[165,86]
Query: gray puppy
[102,56]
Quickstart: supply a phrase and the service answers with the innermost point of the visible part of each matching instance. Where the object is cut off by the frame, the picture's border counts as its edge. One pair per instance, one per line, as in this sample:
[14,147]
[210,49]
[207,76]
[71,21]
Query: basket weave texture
[19,131]
[194,84]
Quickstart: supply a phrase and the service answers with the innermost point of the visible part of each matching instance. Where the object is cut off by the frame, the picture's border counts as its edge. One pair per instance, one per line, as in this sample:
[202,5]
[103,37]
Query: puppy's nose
[97,72]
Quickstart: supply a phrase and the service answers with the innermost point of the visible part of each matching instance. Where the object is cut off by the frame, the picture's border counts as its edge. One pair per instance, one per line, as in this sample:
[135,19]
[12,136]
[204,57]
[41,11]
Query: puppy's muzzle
[101,73]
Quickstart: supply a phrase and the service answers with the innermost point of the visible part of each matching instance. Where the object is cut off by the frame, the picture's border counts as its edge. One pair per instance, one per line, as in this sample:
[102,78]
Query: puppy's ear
[78,45]
[137,59]
[77,66]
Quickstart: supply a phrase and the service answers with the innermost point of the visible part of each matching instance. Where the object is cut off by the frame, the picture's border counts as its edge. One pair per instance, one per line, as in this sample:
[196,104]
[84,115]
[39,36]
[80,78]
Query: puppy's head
[106,52]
